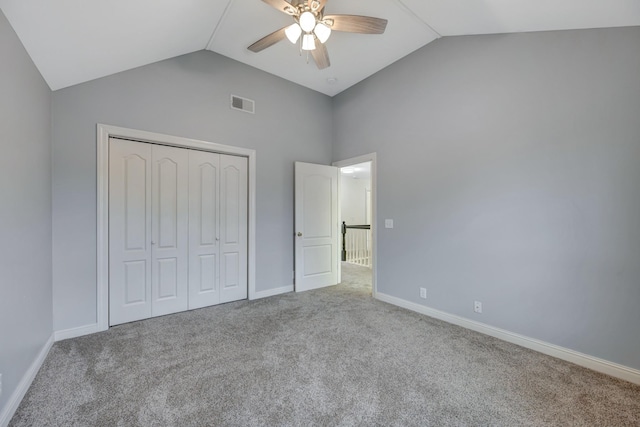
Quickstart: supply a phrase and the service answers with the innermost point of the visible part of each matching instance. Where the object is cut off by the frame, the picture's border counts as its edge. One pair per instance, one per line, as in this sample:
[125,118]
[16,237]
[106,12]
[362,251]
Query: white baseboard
[23,386]
[272,292]
[594,363]
[95,327]
[76,332]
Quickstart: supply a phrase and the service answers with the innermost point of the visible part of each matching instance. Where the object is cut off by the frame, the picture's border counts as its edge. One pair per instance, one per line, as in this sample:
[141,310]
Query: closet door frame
[104,133]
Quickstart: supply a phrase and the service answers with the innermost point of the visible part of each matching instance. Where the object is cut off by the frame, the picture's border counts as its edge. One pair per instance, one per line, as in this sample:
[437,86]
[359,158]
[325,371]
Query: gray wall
[186,96]
[353,199]
[523,154]
[25,211]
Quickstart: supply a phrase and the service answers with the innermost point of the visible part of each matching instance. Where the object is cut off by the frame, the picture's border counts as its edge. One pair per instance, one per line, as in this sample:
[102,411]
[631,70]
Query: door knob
[299,234]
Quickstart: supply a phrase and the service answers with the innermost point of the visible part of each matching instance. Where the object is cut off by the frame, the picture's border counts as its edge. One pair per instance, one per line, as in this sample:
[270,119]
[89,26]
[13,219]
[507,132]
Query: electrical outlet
[477,307]
[423,293]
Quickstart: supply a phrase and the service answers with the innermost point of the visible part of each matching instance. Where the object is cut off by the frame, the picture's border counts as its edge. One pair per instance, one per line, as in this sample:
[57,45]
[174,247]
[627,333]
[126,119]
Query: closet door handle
[299,234]
[153,243]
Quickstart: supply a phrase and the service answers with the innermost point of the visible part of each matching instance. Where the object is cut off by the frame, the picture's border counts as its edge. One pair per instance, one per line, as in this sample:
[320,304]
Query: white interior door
[316,225]
[129,231]
[204,229]
[169,236]
[233,227]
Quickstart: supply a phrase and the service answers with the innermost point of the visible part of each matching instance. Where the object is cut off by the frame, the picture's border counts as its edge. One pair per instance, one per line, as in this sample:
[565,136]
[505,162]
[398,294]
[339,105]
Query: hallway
[356,277]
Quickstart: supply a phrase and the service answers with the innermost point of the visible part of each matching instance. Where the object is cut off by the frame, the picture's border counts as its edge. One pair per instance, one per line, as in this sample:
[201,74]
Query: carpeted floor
[328,357]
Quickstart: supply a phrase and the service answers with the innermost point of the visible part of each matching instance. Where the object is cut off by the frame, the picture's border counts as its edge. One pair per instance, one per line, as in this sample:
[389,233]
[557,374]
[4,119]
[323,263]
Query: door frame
[373,158]
[104,132]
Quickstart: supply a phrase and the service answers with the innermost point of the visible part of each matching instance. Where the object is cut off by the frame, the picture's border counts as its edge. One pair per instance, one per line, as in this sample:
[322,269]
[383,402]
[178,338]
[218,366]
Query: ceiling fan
[312,27]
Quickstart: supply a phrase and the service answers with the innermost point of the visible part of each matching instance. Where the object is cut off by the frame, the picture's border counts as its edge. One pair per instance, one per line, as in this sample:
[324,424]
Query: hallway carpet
[333,356]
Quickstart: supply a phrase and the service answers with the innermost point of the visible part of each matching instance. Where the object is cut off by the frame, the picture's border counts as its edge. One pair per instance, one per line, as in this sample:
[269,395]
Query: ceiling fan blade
[282,6]
[320,55]
[316,5]
[268,41]
[356,24]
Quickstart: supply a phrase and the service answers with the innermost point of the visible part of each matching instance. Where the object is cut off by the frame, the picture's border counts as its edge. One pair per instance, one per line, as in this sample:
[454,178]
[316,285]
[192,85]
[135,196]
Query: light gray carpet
[328,357]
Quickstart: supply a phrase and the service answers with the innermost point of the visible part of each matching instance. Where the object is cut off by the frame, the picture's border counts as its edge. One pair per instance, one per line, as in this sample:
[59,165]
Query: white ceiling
[359,171]
[73,41]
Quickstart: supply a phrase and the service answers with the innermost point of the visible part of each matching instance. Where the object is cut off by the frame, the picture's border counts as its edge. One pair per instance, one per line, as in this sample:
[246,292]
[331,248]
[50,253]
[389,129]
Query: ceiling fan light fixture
[307,21]
[322,32]
[293,32]
[308,42]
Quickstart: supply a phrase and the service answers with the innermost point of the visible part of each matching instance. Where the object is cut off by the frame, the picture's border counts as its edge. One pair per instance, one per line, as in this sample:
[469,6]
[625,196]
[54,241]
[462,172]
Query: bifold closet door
[177,229]
[170,227]
[233,227]
[204,229]
[217,228]
[129,231]
[148,226]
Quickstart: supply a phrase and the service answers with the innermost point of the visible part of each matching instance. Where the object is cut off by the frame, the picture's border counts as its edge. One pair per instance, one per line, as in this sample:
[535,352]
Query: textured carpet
[327,357]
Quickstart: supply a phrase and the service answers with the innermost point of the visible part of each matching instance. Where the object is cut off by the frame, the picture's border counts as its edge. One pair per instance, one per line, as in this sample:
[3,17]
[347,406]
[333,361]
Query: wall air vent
[243,104]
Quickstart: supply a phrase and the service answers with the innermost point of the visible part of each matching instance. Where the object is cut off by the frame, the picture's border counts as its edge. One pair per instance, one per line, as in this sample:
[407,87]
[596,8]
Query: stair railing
[356,244]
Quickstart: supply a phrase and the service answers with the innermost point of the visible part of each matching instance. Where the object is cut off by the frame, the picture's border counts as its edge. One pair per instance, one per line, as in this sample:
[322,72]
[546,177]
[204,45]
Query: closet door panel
[169,218]
[233,233]
[232,270]
[129,231]
[204,229]
[208,278]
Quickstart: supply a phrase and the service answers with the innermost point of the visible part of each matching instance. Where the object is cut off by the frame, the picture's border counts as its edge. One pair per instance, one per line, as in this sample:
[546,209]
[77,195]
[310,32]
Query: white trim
[104,133]
[24,384]
[604,366]
[339,259]
[251,255]
[65,334]
[373,158]
[102,264]
[273,292]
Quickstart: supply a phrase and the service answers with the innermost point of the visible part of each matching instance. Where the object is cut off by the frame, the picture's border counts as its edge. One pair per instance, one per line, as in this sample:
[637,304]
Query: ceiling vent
[243,104]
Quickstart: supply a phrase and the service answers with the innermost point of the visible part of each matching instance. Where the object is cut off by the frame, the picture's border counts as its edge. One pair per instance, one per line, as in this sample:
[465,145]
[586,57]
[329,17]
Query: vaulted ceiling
[73,41]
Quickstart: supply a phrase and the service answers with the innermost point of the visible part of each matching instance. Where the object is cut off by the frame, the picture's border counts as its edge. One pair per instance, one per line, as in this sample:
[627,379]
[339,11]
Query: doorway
[357,211]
